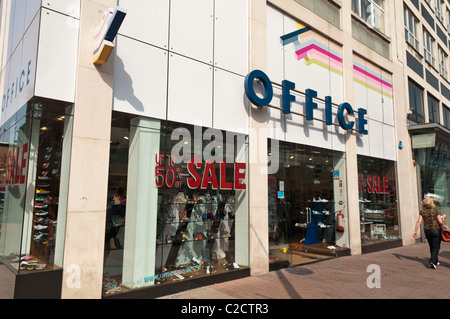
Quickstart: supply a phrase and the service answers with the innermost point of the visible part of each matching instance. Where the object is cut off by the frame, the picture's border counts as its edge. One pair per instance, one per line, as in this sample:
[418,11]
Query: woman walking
[432,228]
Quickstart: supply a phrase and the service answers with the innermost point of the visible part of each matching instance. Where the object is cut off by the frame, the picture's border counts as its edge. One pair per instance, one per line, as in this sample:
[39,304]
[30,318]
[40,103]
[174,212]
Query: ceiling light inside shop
[61,118]
[126,137]
[44,128]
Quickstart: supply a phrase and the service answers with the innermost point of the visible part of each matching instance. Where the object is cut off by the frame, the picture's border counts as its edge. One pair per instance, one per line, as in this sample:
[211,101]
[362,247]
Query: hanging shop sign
[287,98]
[199,175]
[106,32]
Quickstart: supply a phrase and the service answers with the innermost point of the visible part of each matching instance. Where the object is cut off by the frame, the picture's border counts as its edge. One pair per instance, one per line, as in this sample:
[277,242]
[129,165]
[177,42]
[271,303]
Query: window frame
[428,48]
[446,116]
[416,107]
[411,36]
[370,17]
[433,113]
[443,58]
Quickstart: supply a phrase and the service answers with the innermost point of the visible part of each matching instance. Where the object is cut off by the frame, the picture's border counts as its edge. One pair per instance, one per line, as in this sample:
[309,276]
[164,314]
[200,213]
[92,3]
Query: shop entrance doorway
[307,206]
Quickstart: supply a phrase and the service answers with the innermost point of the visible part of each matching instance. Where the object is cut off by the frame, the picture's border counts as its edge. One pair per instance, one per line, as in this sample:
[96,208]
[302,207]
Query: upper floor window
[428,48]
[438,11]
[443,63]
[446,114]
[415,102]
[411,29]
[433,109]
[448,20]
[372,11]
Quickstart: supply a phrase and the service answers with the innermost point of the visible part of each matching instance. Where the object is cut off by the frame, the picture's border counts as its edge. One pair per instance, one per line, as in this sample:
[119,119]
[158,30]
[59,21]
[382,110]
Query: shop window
[435,174]
[307,211]
[377,200]
[172,218]
[33,152]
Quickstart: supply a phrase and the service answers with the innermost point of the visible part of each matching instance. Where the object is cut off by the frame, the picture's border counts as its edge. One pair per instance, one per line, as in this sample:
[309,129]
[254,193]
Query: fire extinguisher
[340,221]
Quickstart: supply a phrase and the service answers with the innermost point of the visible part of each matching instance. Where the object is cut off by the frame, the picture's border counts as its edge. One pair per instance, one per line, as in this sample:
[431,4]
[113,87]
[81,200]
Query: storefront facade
[197,152]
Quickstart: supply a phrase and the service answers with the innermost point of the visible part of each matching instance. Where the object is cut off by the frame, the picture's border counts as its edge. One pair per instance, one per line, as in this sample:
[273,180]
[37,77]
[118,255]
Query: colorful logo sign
[105,34]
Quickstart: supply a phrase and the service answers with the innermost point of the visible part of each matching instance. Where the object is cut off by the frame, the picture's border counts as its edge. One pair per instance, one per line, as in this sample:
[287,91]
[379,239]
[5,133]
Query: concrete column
[407,192]
[350,145]
[87,197]
[258,191]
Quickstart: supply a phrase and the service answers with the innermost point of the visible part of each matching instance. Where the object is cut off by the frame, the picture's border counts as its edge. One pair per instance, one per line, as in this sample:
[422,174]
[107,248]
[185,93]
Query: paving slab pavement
[398,273]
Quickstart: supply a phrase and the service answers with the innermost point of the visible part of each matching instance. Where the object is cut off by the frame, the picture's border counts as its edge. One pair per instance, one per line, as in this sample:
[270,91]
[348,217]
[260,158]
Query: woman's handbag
[445,232]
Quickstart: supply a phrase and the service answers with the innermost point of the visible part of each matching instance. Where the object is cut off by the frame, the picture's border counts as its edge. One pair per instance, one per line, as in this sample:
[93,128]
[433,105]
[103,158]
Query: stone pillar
[88,182]
[351,156]
[257,188]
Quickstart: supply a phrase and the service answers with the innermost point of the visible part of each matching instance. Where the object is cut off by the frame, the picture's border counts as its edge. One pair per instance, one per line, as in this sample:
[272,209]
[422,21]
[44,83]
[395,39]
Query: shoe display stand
[45,206]
[319,218]
[196,236]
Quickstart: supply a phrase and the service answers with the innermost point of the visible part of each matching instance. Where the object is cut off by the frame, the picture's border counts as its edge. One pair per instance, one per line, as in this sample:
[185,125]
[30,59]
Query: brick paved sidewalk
[405,274]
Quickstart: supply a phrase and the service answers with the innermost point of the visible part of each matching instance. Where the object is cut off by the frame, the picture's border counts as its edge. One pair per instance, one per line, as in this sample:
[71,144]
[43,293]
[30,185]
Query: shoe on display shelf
[41,213]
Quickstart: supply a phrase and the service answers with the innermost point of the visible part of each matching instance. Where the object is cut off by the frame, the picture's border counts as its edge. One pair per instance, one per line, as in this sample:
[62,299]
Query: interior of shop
[307,205]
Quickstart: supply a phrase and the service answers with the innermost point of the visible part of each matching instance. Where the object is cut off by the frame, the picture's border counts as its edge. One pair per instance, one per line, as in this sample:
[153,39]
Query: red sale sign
[200,175]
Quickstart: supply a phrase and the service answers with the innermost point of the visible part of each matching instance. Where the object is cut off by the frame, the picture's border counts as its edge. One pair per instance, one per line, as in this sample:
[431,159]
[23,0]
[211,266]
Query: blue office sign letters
[287,98]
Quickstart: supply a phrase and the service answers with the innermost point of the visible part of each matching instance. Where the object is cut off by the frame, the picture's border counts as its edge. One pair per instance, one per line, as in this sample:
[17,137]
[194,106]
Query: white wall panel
[67,7]
[147,21]
[230,105]
[231,35]
[375,138]
[360,92]
[29,60]
[191,29]
[389,143]
[375,110]
[14,71]
[276,119]
[190,91]
[362,143]
[16,25]
[140,78]
[337,133]
[275,49]
[18,78]
[57,59]
[388,110]
[32,9]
